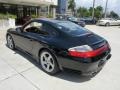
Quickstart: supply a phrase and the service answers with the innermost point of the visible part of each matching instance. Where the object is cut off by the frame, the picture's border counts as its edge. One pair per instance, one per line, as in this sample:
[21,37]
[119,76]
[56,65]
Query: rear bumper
[86,69]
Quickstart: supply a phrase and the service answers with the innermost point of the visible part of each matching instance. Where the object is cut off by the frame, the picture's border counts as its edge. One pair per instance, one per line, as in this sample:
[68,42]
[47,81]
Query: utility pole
[93,12]
[106,9]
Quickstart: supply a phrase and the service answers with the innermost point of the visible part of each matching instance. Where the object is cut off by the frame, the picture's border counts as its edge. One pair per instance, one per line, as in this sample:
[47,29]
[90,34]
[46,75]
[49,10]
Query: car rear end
[83,50]
[88,62]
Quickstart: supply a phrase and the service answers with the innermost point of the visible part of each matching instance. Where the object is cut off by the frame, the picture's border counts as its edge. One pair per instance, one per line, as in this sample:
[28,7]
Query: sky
[112,4]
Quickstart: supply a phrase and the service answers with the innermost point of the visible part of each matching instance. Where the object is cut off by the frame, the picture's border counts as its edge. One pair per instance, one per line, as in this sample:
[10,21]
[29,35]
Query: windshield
[71,28]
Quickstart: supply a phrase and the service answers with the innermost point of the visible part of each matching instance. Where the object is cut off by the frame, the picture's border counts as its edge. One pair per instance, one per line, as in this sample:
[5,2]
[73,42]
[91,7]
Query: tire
[10,42]
[48,62]
[107,24]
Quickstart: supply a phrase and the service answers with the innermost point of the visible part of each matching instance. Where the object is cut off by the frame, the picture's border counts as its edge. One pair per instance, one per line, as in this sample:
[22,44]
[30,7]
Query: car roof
[49,20]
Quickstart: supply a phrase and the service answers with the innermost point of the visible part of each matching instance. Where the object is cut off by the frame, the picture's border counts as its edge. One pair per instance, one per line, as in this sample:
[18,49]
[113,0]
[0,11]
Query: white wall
[7,23]
[30,2]
[55,2]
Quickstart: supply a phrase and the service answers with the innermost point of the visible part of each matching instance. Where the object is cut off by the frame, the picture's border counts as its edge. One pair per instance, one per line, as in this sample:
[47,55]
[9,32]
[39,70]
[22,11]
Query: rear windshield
[71,28]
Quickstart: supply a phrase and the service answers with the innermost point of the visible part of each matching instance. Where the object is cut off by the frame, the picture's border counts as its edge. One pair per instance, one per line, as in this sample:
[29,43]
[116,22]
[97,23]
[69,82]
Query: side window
[30,26]
[50,29]
[36,27]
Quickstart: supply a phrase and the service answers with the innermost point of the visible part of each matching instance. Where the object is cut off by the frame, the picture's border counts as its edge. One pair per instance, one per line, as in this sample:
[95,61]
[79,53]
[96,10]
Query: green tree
[83,12]
[72,5]
[113,15]
[98,12]
[100,8]
[90,11]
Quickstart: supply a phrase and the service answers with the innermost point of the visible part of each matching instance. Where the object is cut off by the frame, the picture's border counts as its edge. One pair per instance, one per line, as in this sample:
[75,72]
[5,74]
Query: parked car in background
[75,20]
[72,19]
[88,20]
[59,44]
[108,22]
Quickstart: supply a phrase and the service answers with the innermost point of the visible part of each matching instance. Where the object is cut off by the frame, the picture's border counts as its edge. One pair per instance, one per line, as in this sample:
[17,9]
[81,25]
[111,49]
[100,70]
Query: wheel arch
[52,52]
[107,23]
[8,34]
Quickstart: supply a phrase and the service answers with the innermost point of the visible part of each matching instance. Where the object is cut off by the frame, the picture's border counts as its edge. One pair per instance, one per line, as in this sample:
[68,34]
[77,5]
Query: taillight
[86,51]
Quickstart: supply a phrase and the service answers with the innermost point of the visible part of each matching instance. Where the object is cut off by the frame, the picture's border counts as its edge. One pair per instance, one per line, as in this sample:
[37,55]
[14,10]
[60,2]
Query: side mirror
[19,29]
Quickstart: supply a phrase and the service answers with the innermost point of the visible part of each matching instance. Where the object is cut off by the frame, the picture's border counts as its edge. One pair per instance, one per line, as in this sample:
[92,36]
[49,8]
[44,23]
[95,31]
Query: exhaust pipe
[109,56]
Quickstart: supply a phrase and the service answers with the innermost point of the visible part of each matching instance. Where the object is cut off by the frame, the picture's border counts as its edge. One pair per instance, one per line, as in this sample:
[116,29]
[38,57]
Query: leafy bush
[12,16]
[2,16]
[34,16]
[5,16]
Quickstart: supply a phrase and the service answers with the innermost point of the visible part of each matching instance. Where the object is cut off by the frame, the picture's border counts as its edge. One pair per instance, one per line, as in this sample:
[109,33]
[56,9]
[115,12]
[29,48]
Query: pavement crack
[8,77]
[30,82]
[19,73]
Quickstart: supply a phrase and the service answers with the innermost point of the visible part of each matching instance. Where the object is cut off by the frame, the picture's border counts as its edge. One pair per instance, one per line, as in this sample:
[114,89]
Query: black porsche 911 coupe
[60,44]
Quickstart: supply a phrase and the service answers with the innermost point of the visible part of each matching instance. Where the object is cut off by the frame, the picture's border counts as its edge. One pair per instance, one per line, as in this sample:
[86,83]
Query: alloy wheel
[107,24]
[47,61]
[10,42]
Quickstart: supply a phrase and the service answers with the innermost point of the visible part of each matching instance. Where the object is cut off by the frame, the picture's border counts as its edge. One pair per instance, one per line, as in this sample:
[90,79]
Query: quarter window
[50,29]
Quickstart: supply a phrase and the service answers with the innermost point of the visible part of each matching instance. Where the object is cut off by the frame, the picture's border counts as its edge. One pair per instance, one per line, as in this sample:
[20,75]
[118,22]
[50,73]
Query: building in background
[33,8]
[62,6]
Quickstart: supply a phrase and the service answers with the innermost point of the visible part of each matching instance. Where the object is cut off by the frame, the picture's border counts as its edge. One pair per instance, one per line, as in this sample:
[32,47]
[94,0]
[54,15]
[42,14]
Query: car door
[24,40]
[114,22]
[117,22]
[44,37]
